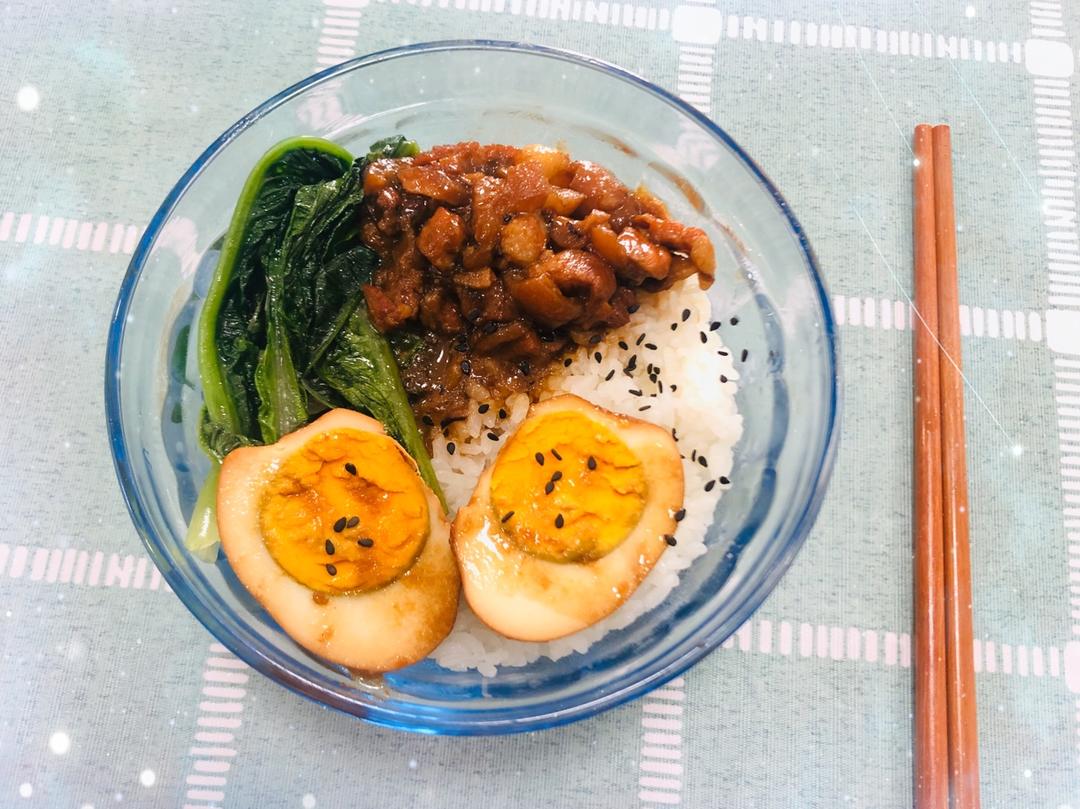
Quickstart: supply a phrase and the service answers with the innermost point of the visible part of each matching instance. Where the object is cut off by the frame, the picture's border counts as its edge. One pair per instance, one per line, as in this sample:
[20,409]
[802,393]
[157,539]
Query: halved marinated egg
[578,506]
[334,532]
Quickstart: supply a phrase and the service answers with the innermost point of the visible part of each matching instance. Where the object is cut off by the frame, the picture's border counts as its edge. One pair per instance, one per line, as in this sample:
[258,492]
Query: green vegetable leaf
[321,265]
[284,332]
[202,537]
[217,441]
[405,345]
[282,404]
[232,325]
[395,146]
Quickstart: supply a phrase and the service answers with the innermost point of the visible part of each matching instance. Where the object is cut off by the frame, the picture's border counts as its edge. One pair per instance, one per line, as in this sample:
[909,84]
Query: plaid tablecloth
[111,694]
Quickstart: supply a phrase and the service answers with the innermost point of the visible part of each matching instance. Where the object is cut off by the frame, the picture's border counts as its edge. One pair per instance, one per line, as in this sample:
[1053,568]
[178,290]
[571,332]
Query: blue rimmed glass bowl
[506,93]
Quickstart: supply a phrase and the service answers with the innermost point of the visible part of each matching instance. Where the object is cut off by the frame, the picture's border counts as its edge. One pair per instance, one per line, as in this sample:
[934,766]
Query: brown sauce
[495,259]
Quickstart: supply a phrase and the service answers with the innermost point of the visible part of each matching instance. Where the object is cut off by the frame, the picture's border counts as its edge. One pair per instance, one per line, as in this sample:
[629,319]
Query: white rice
[702,410]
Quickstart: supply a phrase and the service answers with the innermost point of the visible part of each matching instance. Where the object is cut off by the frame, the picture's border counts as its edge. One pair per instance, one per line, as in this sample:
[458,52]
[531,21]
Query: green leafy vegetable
[216,441]
[202,535]
[394,146]
[284,331]
[232,326]
[320,265]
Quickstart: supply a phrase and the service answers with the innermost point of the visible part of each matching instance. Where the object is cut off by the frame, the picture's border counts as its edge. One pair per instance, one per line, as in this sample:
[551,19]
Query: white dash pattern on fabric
[889,649]
[79,567]
[214,744]
[338,31]
[660,767]
[69,234]
[975,321]
[1051,63]
[692,23]
[627,15]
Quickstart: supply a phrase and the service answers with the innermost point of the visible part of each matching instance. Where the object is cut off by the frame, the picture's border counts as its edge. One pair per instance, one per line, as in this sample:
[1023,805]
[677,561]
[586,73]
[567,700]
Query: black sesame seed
[524,367]
[723,378]
[640,339]
[709,485]
[365,542]
[674,435]
[734,321]
[559,521]
[566,362]
[451,447]
[339,525]
[591,463]
[598,356]
[506,517]
[680,515]
[634,392]
[674,326]
[704,337]
[633,307]
[352,522]
[685,315]
[623,345]
[549,487]
[643,408]
[350,468]
[539,458]
[485,407]
[660,386]
[462,345]
[722,353]
[702,460]
[594,339]
[466,367]
[428,420]
[493,436]
[329,548]
[651,346]
[472,315]
[652,377]
[693,455]
[632,364]
[555,452]
[445,423]
[490,327]
[670,540]
[714,325]
[331,570]
[556,477]
[744,355]
[502,413]
[610,374]
[674,387]
[723,480]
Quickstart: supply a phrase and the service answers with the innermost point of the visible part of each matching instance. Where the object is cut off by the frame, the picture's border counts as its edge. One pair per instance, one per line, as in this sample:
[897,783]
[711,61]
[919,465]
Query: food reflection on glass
[503,334]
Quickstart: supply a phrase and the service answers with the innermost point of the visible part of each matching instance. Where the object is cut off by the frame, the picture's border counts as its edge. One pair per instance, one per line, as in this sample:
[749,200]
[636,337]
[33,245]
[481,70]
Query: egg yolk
[566,488]
[347,512]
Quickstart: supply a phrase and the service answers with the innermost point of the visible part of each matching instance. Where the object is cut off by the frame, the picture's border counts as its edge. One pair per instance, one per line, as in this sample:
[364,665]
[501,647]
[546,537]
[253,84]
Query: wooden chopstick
[931,758]
[959,652]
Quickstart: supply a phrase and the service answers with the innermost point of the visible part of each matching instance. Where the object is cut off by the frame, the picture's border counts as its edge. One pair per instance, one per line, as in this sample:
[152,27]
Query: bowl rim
[458,724]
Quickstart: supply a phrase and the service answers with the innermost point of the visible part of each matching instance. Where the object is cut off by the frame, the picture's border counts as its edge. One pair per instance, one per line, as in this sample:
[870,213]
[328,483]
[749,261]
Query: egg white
[376,631]
[524,597]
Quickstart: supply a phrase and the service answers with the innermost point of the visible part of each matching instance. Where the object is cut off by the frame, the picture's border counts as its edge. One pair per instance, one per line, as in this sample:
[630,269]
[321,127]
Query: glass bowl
[508,93]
